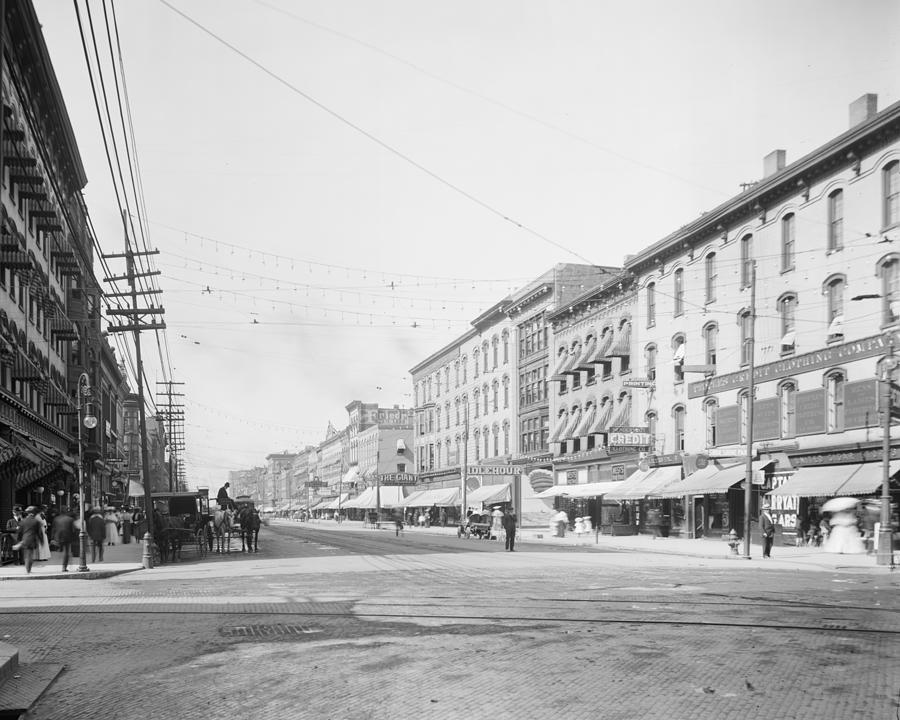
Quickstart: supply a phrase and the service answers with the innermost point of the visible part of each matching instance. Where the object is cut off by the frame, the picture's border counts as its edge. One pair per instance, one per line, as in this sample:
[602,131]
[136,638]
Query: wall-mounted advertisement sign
[398,479]
[493,470]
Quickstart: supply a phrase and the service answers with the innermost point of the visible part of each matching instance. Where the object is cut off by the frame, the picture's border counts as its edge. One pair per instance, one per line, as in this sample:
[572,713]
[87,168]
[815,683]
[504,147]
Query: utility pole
[464,468]
[884,553]
[751,392]
[172,414]
[135,324]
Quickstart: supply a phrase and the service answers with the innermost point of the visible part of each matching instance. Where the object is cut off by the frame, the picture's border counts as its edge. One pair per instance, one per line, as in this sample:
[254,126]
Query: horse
[250,522]
[222,524]
[168,535]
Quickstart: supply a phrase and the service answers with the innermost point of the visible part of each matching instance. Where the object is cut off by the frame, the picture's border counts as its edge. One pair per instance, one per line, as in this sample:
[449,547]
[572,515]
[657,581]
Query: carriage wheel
[201,542]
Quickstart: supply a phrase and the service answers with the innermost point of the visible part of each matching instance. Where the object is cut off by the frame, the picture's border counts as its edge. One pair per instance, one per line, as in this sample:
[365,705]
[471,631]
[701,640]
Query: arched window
[746,259]
[447,414]
[465,365]
[456,403]
[651,304]
[437,384]
[834,293]
[787,312]
[456,372]
[496,433]
[711,277]
[506,391]
[484,353]
[711,341]
[447,378]
[416,388]
[788,240]
[505,340]
[787,395]
[745,320]
[650,361]
[710,410]
[506,437]
[678,291]
[476,354]
[834,398]
[476,397]
[495,350]
[429,389]
[495,393]
[836,221]
[486,435]
[678,427]
[889,272]
[678,352]
[891,183]
[437,455]
[477,438]
[485,394]
[651,419]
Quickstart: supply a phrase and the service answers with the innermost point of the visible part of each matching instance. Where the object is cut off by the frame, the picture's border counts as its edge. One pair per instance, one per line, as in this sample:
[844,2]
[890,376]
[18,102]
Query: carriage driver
[223,499]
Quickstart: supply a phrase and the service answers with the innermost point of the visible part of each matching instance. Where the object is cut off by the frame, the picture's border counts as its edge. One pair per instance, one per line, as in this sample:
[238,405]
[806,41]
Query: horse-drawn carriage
[242,520]
[181,519]
[477,525]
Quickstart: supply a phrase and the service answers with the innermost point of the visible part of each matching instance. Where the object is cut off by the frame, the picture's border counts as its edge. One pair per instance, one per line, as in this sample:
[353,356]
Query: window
[891,181]
[836,220]
[787,242]
[456,404]
[710,340]
[710,410]
[788,405]
[787,311]
[711,277]
[746,260]
[464,369]
[834,393]
[437,384]
[447,414]
[651,419]
[651,304]
[650,360]
[496,434]
[495,351]
[678,351]
[679,292]
[506,438]
[487,442]
[505,340]
[484,354]
[889,270]
[476,396]
[834,291]
[475,356]
[678,427]
[477,435]
[505,391]
[746,322]
[495,391]
[456,372]
[447,378]
[429,389]
[485,393]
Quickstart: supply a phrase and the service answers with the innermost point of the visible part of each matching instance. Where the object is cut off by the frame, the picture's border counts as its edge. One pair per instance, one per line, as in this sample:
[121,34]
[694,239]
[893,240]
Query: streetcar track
[482,618]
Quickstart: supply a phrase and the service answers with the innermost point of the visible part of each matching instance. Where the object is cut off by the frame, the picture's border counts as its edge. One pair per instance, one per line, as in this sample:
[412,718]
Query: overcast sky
[337,194]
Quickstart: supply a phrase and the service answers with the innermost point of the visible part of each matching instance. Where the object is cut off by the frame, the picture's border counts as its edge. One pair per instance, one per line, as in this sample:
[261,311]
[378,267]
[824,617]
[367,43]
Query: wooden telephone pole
[135,322]
[173,415]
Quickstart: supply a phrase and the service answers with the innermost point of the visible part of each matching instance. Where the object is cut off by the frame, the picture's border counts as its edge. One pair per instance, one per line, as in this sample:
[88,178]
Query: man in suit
[31,534]
[767,529]
[509,525]
[64,535]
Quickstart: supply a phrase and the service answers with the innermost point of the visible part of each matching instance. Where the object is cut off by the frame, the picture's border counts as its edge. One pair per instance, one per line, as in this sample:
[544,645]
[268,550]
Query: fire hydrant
[733,541]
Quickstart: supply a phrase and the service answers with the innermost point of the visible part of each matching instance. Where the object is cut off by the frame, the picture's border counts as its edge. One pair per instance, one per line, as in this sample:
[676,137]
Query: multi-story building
[528,309]
[248,482]
[797,278]
[278,480]
[48,292]
[379,439]
[591,403]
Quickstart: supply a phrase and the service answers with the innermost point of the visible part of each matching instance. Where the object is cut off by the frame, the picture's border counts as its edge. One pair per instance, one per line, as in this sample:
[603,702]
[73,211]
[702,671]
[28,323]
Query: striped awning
[489,494]
[587,419]
[622,346]
[623,416]
[603,416]
[572,423]
[559,430]
[604,346]
[584,359]
[643,483]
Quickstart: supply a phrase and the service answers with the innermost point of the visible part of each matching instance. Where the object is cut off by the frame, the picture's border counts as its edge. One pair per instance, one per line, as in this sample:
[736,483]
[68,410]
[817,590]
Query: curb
[90,575]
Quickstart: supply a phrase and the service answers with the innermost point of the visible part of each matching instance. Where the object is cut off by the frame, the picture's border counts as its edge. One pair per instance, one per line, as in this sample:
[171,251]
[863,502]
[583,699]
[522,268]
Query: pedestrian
[127,517]
[43,553]
[96,530]
[767,529]
[496,522]
[112,526]
[64,535]
[30,536]
[561,519]
[12,527]
[509,525]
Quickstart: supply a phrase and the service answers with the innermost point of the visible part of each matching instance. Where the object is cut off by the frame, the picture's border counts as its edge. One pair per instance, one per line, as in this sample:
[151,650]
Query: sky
[336,189]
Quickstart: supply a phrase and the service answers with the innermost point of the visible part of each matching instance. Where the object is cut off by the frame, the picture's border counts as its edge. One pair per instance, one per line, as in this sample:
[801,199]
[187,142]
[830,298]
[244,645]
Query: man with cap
[30,536]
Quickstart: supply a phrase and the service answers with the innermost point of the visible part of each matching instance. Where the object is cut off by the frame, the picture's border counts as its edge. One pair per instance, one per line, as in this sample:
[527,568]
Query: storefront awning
[642,483]
[710,480]
[489,494]
[834,480]
[361,500]
[587,490]
[440,497]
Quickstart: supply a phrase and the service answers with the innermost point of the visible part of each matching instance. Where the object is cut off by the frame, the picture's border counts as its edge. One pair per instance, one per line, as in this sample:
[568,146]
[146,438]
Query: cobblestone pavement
[438,635]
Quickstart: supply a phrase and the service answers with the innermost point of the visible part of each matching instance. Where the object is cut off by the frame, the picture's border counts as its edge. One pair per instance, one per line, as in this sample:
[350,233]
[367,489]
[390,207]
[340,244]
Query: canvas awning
[362,500]
[440,497]
[389,496]
[642,483]
[586,490]
[602,418]
[623,416]
[584,360]
[553,491]
[587,419]
[836,480]
[571,424]
[489,494]
[710,480]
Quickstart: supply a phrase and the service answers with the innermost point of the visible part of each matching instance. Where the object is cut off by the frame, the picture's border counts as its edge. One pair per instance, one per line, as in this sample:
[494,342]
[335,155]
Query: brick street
[445,628]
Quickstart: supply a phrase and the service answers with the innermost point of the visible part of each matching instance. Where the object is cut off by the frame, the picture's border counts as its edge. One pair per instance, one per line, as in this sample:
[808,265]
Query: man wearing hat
[64,535]
[767,530]
[30,536]
[96,530]
[12,527]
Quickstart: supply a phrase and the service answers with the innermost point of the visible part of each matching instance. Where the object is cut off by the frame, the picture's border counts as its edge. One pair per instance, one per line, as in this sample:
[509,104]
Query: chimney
[863,108]
[773,163]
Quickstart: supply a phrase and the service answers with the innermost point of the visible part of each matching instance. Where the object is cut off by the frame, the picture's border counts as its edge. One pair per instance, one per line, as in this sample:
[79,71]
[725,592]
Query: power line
[378,141]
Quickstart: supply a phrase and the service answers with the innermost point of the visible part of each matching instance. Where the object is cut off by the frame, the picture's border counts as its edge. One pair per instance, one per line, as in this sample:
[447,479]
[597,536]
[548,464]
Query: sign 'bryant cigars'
[817,360]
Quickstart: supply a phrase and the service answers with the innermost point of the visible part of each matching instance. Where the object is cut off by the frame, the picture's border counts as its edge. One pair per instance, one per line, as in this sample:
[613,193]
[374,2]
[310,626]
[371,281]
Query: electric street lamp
[90,422]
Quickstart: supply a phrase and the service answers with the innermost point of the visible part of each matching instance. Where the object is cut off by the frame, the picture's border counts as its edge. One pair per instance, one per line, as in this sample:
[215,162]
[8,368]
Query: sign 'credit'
[629,439]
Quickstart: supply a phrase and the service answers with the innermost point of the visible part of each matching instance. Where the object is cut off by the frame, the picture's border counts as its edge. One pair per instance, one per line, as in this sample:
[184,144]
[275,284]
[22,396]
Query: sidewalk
[673,548]
[117,559]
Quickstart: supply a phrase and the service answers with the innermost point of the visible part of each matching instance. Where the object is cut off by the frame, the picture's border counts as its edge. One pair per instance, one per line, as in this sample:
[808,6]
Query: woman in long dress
[112,529]
[44,547]
[844,537]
